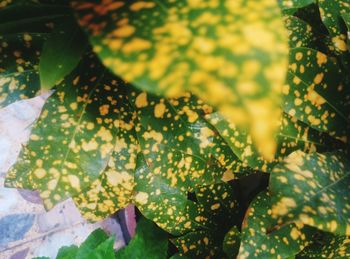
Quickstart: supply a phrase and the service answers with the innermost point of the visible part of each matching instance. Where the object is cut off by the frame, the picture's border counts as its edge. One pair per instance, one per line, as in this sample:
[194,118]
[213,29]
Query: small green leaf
[97,246]
[61,52]
[68,252]
[260,238]
[149,242]
[232,242]
[313,189]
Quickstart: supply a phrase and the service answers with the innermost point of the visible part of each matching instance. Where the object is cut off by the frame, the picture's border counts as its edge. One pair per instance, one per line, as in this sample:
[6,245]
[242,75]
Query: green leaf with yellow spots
[313,189]
[19,59]
[261,239]
[302,34]
[331,12]
[170,47]
[316,93]
[232,242]
[294,4]
[61,52]
[292,135]
[326,245]
[179,152]
[215,212]
[87,144]
[346,18]
[72,141]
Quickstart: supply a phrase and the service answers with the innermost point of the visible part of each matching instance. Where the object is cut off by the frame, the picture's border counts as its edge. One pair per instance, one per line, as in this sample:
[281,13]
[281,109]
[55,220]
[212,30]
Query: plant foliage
[226,123]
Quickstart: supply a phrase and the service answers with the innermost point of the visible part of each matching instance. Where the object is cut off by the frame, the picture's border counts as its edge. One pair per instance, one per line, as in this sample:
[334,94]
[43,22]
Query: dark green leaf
[19,59]
[313,189]
[215,212]
[327,246]
[61,52]
[149,242]
[232,242]
[31,18]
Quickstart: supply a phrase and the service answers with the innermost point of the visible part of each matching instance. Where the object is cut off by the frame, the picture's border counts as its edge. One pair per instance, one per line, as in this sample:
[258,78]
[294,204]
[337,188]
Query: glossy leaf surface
[313,189]
[171,47]
[261,240]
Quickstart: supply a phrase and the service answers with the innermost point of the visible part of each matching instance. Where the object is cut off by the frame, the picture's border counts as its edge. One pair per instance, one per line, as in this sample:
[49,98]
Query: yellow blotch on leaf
[141,198]
[159,110]
[141,100]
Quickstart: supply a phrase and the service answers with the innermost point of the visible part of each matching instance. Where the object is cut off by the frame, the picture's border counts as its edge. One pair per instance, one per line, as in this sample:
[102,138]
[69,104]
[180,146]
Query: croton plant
[225,122]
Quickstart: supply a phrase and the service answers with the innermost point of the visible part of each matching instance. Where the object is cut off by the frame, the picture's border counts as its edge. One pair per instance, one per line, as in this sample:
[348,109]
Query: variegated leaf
[175,46]
[261,240]
[316,93]
[292,135]
[19,59]
[313,189]
[214,213]
[326,245]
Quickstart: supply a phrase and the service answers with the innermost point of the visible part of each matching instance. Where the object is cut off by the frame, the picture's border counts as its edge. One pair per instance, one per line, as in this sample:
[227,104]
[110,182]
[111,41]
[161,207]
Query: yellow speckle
[141,100]
[136,44]
[318,78]
[104,109]
[141,5]
[124,31]
[159,110]
[215,206]
[299,56]
[141,198]
[295,233]
[40,173]
[74,181]
[321,58]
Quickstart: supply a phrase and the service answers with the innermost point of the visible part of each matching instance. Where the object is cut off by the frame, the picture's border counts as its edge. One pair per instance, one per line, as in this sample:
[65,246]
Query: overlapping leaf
[261,240]
[72,141]
[180,151]
[215,212]
[295,4]
[232,242]
[27,16]
[331,12]
[315,93]
[173,46]
[327,246]
[61,52]
[313,189]
[86,144]
[292,135]
[19,59]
